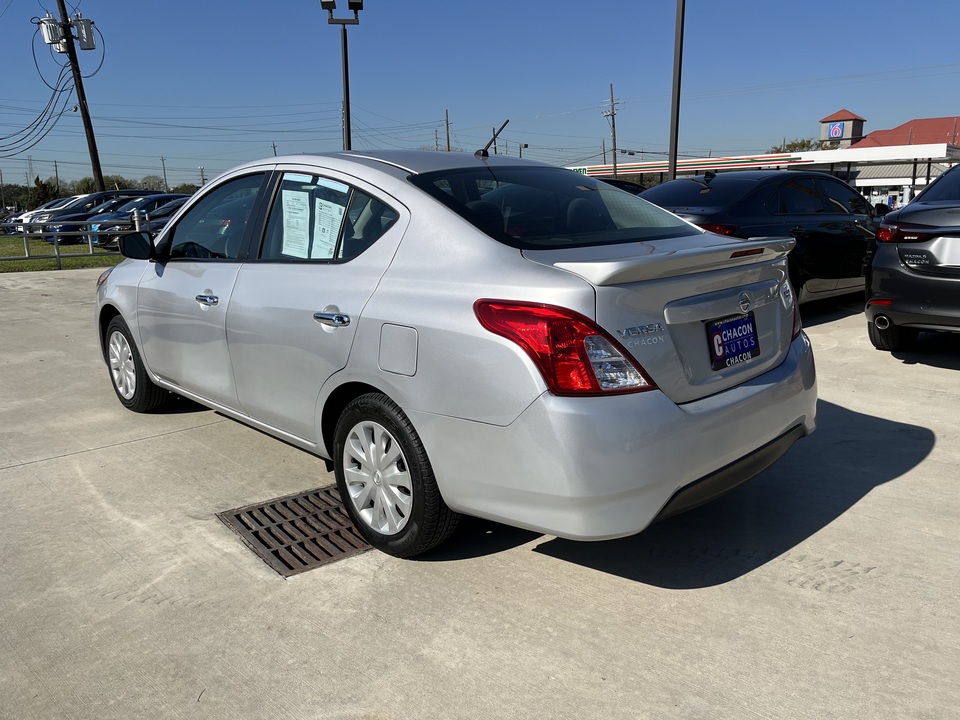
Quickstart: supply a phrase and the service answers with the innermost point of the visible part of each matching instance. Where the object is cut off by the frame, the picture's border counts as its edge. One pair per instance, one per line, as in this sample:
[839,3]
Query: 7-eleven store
[879,173]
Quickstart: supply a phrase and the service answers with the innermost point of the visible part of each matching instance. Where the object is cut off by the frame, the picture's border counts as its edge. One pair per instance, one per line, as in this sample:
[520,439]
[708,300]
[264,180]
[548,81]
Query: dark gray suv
[913,283]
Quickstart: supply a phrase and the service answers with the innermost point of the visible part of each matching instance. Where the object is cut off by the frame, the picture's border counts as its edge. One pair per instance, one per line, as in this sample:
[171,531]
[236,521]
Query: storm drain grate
[298,532]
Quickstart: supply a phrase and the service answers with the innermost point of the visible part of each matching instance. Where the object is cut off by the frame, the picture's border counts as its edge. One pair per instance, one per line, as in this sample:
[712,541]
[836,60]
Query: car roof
[408,161]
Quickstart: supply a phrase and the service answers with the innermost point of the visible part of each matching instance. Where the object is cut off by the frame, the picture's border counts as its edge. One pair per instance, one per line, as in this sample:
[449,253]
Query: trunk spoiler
[635,262]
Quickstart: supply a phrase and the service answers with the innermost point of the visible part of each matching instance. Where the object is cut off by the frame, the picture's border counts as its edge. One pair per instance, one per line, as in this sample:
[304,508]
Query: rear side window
[318,219]
[797,197]
[946,187]
[544,207]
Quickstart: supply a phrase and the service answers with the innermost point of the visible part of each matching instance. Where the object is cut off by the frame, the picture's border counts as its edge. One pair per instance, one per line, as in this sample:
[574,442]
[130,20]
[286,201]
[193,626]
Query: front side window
[544,207]
[213,228]
[844,200]
[319,219]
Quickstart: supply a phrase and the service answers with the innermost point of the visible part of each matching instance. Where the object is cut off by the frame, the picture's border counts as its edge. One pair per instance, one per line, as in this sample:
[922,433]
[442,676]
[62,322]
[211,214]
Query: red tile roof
[920,131]
[841,115]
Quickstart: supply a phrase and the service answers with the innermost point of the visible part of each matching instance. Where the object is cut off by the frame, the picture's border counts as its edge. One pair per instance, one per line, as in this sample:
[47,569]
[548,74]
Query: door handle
[333,319]
[208,300]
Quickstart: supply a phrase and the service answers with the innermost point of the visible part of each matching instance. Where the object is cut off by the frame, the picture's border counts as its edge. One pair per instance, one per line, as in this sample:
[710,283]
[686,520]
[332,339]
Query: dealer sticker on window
[733,340]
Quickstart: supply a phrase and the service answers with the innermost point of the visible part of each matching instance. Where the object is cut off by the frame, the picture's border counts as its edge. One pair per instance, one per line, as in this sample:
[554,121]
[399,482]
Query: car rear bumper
[600,468]
[911,299]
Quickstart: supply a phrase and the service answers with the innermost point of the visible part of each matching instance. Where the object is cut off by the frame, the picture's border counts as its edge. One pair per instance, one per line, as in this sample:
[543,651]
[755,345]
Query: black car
[630,187]
[833,224]
[107,227]
[914,279]
[65,226]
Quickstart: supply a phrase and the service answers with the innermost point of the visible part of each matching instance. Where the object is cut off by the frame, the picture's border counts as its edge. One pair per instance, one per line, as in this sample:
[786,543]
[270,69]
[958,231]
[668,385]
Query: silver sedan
[459,334]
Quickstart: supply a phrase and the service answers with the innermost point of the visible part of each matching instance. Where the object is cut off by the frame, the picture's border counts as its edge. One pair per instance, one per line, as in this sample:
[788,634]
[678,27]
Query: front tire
[892,338]
[385,479]
[129,377]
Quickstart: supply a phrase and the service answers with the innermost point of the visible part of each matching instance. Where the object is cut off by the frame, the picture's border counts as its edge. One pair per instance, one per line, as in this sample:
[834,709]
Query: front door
[183,301]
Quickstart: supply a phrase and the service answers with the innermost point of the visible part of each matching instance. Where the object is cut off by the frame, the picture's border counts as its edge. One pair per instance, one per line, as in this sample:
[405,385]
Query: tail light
[797,323]
[719,228]
[573,354]
[901,233]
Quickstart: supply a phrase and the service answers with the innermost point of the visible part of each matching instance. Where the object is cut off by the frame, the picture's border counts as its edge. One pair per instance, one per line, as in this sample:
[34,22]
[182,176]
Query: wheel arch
[336,402]
[107,313]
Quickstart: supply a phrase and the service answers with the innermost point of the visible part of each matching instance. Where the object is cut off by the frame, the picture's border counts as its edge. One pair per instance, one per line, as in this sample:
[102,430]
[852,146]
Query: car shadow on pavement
[821,312]
[476,537]
[819,479]
[933,349]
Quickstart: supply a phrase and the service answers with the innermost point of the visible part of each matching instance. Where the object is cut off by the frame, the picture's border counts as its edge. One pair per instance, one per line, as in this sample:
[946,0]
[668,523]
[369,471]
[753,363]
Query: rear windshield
[720,192]
[545,207]
[946,187]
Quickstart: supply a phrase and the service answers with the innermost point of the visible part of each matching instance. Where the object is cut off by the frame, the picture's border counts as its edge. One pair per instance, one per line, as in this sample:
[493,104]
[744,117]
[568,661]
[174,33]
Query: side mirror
[137,246]
[881,209]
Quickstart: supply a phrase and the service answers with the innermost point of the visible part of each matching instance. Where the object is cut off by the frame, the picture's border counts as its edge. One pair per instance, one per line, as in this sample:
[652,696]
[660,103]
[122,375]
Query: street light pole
[675,104]
[356,6]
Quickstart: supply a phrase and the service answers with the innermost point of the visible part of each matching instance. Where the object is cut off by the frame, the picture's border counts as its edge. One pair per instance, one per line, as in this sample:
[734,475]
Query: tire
[892,338]
[385,479]
[129,378]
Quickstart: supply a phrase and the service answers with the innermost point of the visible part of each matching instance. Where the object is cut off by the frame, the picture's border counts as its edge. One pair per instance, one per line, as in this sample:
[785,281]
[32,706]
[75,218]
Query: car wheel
[386,481]
[133,386]
[892,337]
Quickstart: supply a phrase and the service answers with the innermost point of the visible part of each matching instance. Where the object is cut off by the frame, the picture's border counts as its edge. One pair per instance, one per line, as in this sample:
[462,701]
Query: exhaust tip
[882,322]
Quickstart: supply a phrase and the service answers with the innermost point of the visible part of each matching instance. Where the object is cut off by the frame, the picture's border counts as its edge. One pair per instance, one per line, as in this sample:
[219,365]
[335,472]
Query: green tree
[152,182]
[185,188]
[84,185]
[41,193]
[798,145]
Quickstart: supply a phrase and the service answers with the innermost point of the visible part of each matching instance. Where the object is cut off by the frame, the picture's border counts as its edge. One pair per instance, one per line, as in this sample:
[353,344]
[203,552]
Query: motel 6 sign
[836,130]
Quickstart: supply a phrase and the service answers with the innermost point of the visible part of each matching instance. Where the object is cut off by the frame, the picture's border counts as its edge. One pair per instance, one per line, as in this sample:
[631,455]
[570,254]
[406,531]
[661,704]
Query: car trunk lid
[700,314]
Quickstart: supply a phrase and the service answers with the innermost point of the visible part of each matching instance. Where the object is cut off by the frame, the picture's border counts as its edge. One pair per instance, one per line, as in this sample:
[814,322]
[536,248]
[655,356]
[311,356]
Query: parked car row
[907,261]
[65,218]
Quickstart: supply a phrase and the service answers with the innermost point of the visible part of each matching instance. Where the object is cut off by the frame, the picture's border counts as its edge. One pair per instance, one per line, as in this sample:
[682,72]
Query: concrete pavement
[826,588]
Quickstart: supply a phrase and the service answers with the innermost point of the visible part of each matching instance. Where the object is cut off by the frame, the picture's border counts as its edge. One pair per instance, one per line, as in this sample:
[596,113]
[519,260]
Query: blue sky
[213,84]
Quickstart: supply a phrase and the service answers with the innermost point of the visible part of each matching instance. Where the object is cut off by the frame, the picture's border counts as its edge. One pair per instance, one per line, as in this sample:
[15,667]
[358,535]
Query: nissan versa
[462,334]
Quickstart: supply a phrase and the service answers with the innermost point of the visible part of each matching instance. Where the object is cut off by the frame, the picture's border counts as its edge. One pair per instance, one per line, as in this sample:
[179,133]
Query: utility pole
[612,114]
[81,96]
[163,163]
[446,117]
[56,174]
[274,149]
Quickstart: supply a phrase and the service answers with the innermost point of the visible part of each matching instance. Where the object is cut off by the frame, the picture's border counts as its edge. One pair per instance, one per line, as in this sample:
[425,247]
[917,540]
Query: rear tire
[385,479]
[892,338]
[129,377]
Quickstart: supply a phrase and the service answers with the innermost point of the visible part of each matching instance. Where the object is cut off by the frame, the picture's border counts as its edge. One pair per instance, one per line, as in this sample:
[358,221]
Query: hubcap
[122,367]
[377,478]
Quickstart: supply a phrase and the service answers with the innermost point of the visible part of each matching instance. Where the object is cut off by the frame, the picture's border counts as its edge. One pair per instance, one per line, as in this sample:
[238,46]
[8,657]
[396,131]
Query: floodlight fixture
[355,5]
[328,5]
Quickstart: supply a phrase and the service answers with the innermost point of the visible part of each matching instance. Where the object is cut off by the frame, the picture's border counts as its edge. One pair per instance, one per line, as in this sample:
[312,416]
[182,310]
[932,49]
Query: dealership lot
[825,588]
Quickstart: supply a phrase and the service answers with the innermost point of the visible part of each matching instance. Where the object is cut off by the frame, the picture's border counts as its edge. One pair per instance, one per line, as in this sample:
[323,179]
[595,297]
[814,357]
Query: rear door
[294,311]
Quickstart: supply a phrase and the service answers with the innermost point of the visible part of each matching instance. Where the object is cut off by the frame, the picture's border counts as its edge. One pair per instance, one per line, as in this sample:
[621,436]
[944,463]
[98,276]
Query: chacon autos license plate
[733,340]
